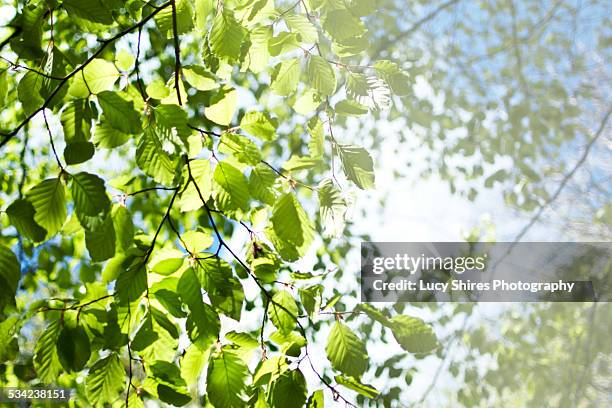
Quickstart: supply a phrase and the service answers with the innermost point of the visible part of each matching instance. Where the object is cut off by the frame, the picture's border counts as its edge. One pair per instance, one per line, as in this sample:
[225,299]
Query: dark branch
[59,163]
[177,54]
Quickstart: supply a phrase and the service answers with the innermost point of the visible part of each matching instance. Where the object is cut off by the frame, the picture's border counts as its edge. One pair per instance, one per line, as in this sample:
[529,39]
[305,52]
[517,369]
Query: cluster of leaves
[150,314]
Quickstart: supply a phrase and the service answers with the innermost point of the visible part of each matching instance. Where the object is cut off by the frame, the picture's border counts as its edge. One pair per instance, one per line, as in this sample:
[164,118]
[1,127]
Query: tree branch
[59,163]
[177,54]
[567,177]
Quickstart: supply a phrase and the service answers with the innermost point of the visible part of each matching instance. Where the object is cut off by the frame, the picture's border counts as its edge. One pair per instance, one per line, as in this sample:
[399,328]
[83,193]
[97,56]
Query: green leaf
[203,323]
[166,261]
[332,208]
[291,223]
[283,311]
[286,77]
[316,400]
[222,106]
[184,18]
[131,284]
[321,75]
[289,390]
[107,137]
[261,180]
[315,145]
[124,228]
[145,336]
[76,121]
[153,160]
[202,174]
[78,152]
[308,102]
[169,299]
[97,76]
[259,124]
[119,113]
[413,334]
[269,370]
[89,195]
[49,202]
[192,364]
[9,348]
[231,191]
[200,78]
[100,240]
[46,360]
[105,381]
[226,35]
[171,126]
[21,215]
[300,24]
[311,298]
[157,89]
[197,241]
[282,43]
[291,342]
[351,46]
[374,313]
[92,10]
[357,165]
[28,44]
[171,387]
[3,85]
[296,163]
[124,60]
[28,91]
[258,56]
[346,351]
[350,108]
[340,24]
[10,272]
[352,384]
[229,300]
[160,320]
[242,148]
[398,80]
[73,348]
[225,381]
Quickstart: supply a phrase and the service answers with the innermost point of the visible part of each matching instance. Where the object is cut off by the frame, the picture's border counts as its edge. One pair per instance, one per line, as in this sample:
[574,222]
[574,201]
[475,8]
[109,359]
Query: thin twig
[177,54]
[159,227]
[16,66]
[59,163]
[152,189]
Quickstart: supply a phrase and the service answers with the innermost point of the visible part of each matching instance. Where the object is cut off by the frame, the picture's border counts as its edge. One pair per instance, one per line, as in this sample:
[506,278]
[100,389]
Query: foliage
[119,253]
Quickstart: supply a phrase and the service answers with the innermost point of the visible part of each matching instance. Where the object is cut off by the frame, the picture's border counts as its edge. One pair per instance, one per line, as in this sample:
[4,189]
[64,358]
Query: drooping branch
[268,296]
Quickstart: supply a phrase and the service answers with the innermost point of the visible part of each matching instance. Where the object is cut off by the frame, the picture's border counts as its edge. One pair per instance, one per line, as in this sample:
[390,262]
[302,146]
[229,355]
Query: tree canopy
[178,179]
